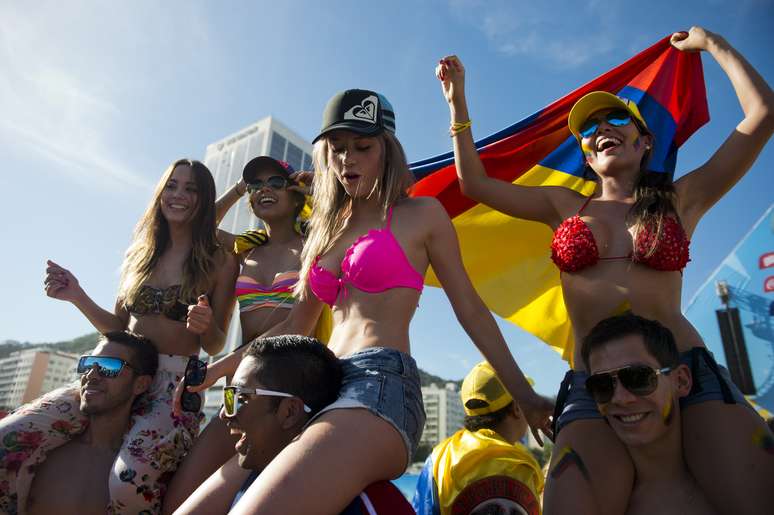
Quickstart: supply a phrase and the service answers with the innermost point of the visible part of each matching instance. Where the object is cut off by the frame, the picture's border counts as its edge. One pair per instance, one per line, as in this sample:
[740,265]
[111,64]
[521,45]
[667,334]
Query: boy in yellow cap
[483,467]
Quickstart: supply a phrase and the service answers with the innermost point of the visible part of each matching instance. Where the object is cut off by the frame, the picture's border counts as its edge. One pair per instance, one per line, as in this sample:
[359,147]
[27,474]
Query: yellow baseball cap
[596,101]
[482,384]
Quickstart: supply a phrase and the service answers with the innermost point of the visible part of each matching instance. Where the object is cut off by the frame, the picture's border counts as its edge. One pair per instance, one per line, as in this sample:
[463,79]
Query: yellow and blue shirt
[470,468]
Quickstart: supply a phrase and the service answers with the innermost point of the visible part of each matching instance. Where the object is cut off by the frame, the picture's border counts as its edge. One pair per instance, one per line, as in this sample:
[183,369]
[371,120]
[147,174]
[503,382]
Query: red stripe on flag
[510,157]
[659,79]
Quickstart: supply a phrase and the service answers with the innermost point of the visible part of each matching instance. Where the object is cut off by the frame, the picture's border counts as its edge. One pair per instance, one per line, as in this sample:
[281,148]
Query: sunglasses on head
[275,182]
[105,365]
[195,372]
[641,380]
[616,118]
[231,396]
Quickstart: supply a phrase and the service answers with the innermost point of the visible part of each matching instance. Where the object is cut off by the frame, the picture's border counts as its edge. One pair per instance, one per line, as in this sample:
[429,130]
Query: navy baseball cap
[358,110]
[255,165]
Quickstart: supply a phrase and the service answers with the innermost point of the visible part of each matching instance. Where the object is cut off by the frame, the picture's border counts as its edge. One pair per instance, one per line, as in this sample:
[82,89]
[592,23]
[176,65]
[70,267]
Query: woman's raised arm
[700,189]
[61,284]
[531,203]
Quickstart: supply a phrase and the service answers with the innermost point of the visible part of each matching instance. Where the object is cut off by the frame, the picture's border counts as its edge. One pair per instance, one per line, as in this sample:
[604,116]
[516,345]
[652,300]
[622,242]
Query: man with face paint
[637,381]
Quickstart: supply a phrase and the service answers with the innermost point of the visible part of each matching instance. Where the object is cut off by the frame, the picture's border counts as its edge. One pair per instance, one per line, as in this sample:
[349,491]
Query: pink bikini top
[374,263]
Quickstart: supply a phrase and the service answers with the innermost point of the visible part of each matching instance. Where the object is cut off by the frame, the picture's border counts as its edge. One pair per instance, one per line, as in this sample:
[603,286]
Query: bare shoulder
[425,209]
[226,267]
[225,259]
[566,201]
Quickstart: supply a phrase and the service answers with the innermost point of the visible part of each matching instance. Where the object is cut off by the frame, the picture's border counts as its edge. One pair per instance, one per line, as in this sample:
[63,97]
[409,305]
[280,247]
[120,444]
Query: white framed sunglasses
[231,398]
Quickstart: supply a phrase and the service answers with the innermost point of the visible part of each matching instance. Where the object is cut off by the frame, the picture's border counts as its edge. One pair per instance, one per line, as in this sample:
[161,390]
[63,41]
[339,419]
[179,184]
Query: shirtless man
[74,477]
[637,381]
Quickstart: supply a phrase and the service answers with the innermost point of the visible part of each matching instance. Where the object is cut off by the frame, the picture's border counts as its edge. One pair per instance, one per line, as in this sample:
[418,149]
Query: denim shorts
[711,382]
[574,402]
[386,383]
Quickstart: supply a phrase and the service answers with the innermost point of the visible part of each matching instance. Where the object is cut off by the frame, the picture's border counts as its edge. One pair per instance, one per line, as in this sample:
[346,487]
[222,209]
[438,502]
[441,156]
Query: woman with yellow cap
[624,248]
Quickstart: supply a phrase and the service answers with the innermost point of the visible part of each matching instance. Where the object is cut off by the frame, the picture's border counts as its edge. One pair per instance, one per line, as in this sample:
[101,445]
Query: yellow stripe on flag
[509,261]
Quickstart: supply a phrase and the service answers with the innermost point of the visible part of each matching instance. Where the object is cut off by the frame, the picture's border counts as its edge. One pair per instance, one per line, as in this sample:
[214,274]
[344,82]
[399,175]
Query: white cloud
[50,108]
[74,74]
[565,34]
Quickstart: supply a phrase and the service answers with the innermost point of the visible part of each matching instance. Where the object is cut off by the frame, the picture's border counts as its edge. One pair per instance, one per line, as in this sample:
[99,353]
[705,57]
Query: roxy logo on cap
[366,111]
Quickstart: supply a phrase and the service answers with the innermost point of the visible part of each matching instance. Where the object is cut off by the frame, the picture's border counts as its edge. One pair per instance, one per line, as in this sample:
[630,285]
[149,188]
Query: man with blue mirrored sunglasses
[105,366]
[74,477]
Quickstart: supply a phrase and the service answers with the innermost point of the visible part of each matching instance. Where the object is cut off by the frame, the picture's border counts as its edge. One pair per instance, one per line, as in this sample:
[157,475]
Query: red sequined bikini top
[574,248]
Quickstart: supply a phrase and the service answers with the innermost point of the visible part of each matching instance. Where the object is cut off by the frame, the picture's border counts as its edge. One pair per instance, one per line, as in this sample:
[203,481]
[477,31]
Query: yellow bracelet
[458,127]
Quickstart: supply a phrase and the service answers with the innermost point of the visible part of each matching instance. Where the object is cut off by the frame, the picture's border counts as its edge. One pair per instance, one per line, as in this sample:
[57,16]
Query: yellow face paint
[761,438]
[586,150]
[666,412]
[568,457]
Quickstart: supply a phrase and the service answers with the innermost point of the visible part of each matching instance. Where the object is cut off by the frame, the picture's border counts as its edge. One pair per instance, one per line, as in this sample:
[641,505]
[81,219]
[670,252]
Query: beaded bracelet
[458,127]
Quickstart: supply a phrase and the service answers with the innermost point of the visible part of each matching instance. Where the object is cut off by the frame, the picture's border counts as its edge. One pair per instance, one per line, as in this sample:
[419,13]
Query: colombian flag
[508,259]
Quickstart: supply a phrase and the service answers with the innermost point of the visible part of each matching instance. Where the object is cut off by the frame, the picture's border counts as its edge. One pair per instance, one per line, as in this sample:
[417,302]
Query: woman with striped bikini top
[269,257]
[269,264]
[253,295]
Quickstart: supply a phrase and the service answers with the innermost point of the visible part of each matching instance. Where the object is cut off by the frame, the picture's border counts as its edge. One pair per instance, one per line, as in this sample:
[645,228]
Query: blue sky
[98,98]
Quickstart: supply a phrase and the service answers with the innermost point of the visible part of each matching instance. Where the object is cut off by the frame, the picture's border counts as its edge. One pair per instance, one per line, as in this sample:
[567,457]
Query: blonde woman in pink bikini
[367,251]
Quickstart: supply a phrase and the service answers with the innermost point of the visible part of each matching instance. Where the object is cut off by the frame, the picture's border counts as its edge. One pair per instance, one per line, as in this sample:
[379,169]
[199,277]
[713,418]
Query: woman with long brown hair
[175,289]
[624,248]
[366,256]
[269,262]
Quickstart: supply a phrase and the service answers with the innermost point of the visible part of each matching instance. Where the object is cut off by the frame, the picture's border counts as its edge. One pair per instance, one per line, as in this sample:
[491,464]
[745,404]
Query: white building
[226,159]
[26,375]
[445,414]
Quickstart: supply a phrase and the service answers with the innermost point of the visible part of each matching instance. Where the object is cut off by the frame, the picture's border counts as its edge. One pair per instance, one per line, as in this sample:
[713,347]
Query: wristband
[458,127]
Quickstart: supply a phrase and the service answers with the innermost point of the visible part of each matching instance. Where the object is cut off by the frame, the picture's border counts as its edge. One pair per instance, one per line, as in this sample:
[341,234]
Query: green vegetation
[427,379]
[80,345]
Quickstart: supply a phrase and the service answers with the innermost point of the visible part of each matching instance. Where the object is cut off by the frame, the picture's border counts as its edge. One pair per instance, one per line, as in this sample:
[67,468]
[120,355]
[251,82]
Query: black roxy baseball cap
[358,110]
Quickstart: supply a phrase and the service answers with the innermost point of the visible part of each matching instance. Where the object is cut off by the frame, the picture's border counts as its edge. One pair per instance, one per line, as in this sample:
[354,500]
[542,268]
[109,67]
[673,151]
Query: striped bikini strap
[249,240]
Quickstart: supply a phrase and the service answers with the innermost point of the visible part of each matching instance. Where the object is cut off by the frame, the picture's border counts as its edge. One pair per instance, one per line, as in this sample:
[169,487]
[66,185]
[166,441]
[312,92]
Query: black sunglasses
[275,182]
[195,372]
[640,380]
[616,118]
[106,366]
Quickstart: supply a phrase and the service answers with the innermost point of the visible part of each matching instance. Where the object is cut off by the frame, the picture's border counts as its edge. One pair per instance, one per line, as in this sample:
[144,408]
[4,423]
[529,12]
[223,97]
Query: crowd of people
[323,402]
